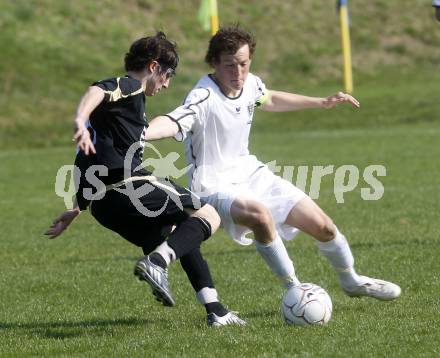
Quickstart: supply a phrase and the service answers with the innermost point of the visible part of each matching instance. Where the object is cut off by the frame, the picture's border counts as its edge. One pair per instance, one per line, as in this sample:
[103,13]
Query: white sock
[166,252]
[338,253]
[207,295]
[277,258]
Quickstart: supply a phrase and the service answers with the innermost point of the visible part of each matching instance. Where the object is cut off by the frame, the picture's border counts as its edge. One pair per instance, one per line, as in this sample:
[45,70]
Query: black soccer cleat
[157,278]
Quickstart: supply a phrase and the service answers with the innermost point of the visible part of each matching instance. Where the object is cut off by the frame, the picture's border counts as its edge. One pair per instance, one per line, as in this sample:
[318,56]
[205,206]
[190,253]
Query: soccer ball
[306,304]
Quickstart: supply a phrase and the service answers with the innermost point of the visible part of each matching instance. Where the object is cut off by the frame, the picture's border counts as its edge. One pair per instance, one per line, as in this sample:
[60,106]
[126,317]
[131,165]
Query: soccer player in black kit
[166,221]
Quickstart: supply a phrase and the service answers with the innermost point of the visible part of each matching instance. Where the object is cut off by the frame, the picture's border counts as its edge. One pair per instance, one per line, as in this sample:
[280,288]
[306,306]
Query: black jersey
[119,122]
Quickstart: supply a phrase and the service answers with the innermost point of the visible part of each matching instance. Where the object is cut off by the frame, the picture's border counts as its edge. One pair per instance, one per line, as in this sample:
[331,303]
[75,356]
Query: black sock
[217,308]
[188,235]
[197,270]
[158,260]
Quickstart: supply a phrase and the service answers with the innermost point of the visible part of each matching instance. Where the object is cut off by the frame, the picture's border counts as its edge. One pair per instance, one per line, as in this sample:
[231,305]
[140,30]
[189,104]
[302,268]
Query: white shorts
[275,193]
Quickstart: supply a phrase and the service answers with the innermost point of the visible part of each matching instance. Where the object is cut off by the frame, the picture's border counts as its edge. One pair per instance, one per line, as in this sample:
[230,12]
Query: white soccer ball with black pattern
[306,304]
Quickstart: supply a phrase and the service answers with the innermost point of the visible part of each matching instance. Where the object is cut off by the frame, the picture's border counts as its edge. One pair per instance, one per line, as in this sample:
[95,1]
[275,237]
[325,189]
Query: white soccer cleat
[157,278]
[229,318]
[373,287]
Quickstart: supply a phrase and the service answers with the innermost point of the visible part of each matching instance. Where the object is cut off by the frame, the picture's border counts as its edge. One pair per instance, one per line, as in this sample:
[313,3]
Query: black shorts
[145,219]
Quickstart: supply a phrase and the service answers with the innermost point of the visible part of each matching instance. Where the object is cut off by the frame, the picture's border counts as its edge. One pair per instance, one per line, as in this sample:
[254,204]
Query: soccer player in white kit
[436,5]
[215,121]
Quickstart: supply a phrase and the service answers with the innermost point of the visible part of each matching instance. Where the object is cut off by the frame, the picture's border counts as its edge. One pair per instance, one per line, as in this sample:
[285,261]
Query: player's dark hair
[228,40]
[153,48]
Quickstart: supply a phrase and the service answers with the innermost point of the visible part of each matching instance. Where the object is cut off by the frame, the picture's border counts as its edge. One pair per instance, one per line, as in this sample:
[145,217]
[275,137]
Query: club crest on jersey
[251,107]
[237,109]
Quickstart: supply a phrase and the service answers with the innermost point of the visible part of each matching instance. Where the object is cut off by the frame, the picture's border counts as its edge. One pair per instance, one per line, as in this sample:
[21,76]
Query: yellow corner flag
[208,15]
[346,46]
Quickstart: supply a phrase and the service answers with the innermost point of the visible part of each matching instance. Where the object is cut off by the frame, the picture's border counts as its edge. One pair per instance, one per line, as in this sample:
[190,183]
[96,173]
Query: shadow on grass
[66,329]
[104,259]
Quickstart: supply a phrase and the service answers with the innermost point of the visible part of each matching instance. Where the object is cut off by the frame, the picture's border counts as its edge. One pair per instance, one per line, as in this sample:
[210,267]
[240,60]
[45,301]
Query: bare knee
[256,217]
[260,219]
[311,219]
[325,229]
[208,213]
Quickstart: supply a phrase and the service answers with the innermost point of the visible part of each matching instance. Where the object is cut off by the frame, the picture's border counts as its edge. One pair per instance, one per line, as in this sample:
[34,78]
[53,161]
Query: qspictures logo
[346,179]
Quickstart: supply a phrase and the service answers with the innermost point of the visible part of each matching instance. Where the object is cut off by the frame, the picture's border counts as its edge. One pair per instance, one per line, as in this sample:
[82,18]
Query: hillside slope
[51,50]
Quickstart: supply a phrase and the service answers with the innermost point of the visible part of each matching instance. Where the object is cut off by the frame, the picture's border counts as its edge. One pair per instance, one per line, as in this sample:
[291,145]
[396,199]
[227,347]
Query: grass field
[77,295]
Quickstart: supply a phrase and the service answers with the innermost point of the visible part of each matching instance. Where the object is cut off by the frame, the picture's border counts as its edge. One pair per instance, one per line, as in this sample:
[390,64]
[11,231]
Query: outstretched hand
[61,223]
[83,140]
[340,97]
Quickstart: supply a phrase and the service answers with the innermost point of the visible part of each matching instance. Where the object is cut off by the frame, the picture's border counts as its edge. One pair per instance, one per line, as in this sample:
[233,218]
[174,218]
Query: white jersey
[216,130]
[436,3]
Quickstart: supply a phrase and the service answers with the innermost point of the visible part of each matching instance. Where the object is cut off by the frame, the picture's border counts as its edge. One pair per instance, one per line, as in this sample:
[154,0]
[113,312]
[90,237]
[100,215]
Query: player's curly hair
[153,48]
[228,40]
